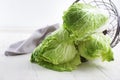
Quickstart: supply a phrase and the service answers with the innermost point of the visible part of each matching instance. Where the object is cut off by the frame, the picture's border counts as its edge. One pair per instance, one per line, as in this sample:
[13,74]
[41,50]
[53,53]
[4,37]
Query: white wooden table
[20,67]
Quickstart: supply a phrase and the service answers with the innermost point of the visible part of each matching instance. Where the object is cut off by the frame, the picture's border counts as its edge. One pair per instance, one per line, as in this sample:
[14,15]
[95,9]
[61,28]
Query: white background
[31,13]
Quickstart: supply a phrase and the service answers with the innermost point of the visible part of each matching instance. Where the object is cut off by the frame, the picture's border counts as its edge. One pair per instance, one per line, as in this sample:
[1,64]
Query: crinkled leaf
[56,49]
[68,66]
[83,19]
[96,45]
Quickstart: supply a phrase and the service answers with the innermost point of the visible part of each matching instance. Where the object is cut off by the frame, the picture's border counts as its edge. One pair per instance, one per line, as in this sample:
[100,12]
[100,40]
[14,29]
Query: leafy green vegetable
[96,45]
[83,19]
[68,66]
[58,50]
[76,41]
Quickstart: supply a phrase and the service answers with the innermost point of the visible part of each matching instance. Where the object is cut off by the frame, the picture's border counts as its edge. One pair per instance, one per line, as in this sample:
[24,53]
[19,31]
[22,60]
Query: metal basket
[114,19]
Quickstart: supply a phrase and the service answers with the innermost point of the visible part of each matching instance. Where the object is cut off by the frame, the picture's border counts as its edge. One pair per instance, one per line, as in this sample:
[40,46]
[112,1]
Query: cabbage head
[83,19]
[57,52]
[96,45]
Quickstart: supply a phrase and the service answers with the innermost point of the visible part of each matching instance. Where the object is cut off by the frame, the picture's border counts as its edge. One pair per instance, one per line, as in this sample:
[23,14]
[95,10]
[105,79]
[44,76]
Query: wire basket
[113,29]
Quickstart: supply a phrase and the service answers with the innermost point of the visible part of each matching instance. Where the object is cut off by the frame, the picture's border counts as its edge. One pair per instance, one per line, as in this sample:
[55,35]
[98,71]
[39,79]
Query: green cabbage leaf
[57,51]
[96,45]
[83,19]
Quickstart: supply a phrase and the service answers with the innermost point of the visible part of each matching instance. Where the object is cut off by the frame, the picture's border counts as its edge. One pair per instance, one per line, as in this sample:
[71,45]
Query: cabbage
[96,45]
[68,66]
[57,50]
[77,40]
[83,19]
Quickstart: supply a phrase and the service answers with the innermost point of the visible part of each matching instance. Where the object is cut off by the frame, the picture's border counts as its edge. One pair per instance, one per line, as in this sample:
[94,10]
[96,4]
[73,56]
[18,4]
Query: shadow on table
[89,66]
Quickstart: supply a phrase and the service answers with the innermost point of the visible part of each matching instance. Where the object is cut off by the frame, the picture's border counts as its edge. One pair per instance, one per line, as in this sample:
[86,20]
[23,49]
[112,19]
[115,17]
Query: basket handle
[76,1]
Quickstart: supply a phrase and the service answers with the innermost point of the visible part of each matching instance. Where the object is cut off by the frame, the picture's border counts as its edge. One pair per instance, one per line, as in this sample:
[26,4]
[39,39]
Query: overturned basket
[114,18]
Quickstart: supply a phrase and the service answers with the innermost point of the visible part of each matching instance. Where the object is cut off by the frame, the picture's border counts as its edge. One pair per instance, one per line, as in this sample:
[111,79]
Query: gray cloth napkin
[28,45]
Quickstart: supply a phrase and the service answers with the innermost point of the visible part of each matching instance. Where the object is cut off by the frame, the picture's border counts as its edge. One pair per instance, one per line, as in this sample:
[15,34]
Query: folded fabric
[28,45]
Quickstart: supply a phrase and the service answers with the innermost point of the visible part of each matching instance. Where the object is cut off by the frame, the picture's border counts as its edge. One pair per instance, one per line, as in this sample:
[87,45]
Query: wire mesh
[113,29]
